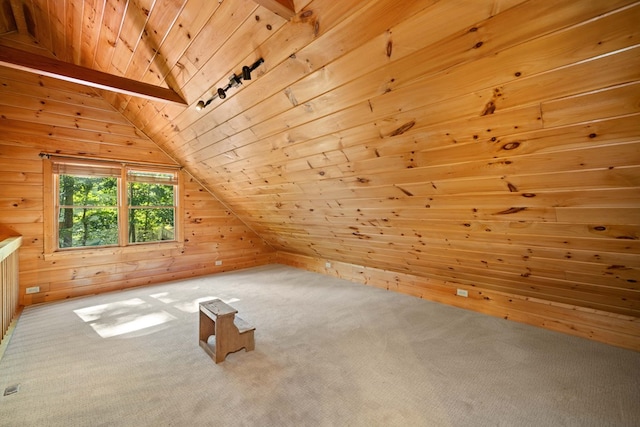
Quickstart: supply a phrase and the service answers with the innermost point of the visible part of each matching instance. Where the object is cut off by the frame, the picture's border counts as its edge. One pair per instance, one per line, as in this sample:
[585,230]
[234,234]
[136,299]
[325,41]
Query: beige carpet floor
[328,353]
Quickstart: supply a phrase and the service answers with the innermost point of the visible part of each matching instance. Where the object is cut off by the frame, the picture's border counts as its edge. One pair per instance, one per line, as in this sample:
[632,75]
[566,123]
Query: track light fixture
[234,81]
[246,73]
[202,104]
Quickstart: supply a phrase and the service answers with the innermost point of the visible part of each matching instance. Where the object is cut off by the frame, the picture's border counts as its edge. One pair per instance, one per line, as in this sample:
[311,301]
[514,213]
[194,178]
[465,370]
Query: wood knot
[510,211]
[490,108]
[402,129]
[291,96]
[407,192]
[511,146]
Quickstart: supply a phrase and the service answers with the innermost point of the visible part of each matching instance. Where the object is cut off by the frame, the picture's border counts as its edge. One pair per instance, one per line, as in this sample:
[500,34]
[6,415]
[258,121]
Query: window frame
[51,207]
[130,174]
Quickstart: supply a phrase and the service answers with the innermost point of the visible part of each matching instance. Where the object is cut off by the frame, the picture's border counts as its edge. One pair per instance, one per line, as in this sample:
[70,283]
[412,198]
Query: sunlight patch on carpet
[163,297]
[122,317]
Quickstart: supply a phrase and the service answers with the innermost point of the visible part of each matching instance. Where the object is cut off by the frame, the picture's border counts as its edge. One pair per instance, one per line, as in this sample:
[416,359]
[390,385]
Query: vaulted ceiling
[492,143]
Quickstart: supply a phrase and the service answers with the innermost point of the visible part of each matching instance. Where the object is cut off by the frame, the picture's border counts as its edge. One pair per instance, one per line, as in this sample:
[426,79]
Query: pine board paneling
[133,26]
[53,126]
[93,12]
[111,25]
[425,146]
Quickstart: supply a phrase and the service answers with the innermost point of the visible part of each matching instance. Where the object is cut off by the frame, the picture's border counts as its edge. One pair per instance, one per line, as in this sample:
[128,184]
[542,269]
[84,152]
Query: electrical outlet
[327,264]
[462,293]
[33,290]
[219,262]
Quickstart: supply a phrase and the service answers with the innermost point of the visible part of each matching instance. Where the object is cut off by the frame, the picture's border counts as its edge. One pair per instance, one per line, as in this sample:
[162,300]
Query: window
[98,204]
[151,204]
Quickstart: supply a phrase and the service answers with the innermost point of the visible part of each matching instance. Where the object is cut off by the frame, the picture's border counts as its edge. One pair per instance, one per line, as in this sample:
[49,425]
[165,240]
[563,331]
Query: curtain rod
[44,155]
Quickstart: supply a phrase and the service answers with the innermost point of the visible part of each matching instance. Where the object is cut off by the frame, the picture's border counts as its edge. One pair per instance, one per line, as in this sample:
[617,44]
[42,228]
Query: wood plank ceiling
[462,142]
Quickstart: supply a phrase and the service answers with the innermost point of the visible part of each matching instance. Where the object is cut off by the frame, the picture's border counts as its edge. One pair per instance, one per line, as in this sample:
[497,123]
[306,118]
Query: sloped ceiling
[463,141]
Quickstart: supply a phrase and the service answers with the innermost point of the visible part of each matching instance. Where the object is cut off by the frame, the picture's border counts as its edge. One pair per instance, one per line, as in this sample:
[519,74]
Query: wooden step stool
[231,332]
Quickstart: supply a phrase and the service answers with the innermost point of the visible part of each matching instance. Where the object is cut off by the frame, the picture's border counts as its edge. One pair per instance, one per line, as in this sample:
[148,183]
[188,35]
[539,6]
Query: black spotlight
[221,93]
[246,73]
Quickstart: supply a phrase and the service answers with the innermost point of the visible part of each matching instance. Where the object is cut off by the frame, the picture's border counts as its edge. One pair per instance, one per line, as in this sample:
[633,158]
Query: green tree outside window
[88,211]
[151,212]
[90,215]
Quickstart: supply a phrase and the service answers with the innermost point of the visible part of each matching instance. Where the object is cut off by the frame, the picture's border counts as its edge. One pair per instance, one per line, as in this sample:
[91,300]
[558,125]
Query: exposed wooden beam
[21,60]
[284,8]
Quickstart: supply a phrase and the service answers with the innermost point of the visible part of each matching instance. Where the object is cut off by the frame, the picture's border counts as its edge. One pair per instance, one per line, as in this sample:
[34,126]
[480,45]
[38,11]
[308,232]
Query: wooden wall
[489,145]
[40,114]
[461,144]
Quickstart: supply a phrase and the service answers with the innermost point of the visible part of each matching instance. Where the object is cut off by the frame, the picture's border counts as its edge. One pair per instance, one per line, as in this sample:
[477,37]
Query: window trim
[50,216]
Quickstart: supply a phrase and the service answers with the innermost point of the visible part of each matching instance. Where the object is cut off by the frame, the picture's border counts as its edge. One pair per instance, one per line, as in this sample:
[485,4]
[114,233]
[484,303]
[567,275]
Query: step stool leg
[250,344]
[207,327]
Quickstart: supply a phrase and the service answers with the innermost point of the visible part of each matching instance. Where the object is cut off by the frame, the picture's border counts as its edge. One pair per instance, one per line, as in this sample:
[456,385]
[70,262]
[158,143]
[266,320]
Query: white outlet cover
[219,262]
[462,293]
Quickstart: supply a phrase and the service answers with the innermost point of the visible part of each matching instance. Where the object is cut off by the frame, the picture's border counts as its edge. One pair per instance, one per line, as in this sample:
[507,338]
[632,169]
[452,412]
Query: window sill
[113,250]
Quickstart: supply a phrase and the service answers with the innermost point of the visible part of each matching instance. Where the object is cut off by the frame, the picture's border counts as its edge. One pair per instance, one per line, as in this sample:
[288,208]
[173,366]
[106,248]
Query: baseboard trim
[609,328]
